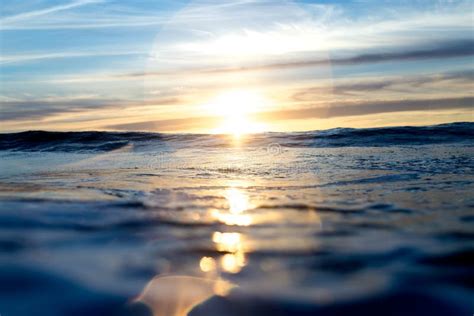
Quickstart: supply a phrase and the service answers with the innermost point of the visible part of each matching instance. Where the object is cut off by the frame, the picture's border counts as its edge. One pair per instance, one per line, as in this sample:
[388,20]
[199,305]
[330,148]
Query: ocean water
[338,222]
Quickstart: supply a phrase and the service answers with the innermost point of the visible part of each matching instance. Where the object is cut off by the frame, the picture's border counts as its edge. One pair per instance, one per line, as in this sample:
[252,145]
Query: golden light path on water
[230,243]
[178,295]
[238,202]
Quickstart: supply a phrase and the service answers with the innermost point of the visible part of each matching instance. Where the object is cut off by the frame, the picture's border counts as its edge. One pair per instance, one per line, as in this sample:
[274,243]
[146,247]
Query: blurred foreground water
[371,222]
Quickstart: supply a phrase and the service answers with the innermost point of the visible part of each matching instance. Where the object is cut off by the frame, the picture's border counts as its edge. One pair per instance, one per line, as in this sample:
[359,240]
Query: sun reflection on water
[237,199]
[232,243]
[229,242]
[238,202]
[233,259]
[207,264]
[231,246]
[232,219]
[234,262]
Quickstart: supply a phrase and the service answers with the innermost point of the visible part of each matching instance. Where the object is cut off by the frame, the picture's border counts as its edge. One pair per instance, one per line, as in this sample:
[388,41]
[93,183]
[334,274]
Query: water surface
[364,221]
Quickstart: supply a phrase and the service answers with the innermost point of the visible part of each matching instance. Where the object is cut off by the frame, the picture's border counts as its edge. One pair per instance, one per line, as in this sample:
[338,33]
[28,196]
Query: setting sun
[236,107]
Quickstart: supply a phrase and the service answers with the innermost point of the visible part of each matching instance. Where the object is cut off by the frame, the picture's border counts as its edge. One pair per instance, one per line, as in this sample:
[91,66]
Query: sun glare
[236,107]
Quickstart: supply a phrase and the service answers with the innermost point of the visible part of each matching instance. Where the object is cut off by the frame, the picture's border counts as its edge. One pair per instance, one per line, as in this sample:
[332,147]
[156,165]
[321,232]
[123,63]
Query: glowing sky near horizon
[234,66]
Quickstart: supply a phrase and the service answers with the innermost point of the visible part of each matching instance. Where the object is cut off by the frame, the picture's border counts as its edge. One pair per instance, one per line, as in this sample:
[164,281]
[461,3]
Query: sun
[236,107]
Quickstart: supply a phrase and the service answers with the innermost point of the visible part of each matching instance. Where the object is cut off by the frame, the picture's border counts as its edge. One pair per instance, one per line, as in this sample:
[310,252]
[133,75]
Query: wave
[386,136]
[98,141]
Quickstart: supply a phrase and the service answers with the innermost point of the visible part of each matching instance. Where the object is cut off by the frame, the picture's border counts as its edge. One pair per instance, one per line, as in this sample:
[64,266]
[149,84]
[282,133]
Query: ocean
[375,221]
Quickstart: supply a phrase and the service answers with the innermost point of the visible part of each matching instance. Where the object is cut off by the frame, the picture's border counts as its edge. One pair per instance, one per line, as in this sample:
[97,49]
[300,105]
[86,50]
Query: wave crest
[97,141]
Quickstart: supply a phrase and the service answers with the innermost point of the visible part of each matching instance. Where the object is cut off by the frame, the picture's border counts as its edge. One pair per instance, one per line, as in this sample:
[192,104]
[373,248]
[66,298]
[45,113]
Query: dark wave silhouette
[338,137]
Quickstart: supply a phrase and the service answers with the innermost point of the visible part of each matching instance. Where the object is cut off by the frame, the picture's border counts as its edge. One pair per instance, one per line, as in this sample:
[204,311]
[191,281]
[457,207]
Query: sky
[234,66]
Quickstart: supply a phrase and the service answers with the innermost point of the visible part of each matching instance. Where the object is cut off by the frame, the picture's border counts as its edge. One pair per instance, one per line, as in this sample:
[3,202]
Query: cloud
[40,109]
[340,109]
[36,13]
[113,15]
[449,49]
[401,84]
[73,22]
[331,110]
[267,30]
[437,50]
[37,109]
[169,125]
[370,90]
[16,59]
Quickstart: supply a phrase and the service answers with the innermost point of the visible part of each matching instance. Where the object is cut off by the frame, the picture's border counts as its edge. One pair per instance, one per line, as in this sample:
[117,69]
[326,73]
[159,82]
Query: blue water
[345,221]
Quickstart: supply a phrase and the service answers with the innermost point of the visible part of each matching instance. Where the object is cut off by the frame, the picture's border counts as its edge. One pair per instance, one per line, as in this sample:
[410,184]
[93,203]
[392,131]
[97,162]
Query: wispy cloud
[330,111]
[365,95]
[106,15]
[341,109]
[426,51]
[41,109]
[457,81]
[448,49]
[36,13]
[15,59]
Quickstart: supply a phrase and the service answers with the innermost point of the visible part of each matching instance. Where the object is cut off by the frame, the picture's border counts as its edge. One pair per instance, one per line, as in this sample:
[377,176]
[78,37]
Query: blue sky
[181,66]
